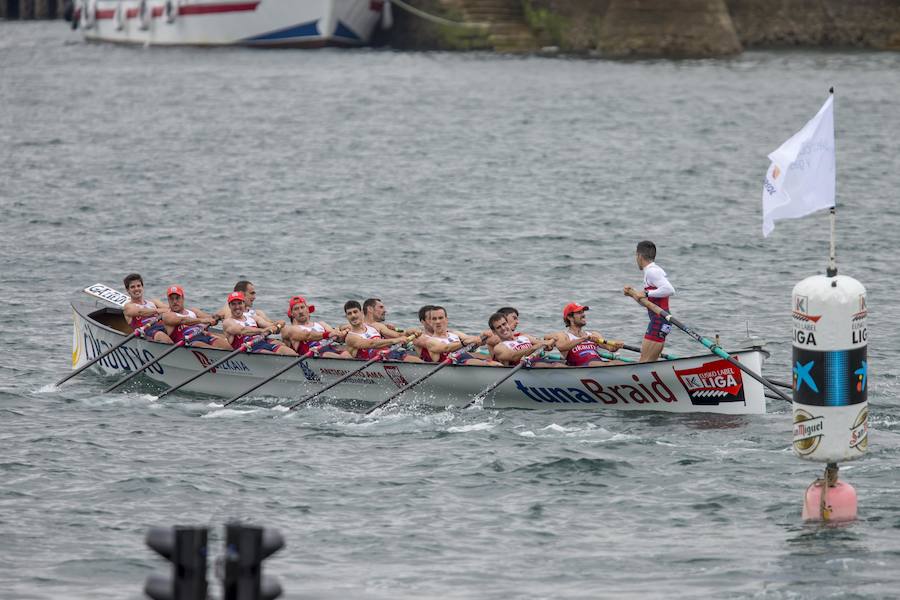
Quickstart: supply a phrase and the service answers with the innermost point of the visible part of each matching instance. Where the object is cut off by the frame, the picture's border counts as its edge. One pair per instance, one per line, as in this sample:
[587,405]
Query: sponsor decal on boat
[309,373]
[107,293]
[394,373]
[859,432]
[593,392]
[712,383]
[228,365]
[363,377]
[808,432]
[124,358]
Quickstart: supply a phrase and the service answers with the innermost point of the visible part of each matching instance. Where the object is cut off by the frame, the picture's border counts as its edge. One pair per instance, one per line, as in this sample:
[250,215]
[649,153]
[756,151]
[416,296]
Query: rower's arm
[564,344]
[173,320]
[358,342]
[436,346]
[233,327]
[132,310]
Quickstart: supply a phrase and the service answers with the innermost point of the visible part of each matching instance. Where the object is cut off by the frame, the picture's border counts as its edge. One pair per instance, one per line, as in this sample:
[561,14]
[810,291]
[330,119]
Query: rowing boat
[692,384]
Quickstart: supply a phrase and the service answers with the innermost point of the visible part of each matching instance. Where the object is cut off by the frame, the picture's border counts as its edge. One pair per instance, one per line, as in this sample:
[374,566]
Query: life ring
[88,13]
[119,16]
[173,7]
[145,14]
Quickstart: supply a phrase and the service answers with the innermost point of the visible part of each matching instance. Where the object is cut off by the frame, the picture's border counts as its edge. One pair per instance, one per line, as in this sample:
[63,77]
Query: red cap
[235,296]
[299,300]
[573,307]
[175,289]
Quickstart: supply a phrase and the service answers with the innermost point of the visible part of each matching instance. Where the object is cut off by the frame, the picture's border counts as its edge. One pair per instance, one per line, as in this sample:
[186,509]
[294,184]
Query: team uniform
[138,322]
[658,289]
[458,355]
[182,331]
[584,353]
[303,347]
[520,342]
[369,353]
[258,341]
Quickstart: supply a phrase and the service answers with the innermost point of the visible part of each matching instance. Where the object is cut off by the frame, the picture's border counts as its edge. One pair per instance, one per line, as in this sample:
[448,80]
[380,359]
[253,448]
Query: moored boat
[268,23]
[703,383]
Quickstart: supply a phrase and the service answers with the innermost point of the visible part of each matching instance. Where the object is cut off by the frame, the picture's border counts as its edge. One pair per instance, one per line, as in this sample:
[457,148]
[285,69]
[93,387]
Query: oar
[243,347]
[342,379]
[137,332]
[483,393]
[290,365]
[137,372]
[709,344]
[409,386]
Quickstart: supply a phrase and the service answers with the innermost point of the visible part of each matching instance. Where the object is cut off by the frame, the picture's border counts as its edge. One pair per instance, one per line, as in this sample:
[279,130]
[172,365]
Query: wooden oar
[242,348]
[447,361]
[709,344]
[483,393]
[345,377]
[183,341]
[137,332]
[290,365]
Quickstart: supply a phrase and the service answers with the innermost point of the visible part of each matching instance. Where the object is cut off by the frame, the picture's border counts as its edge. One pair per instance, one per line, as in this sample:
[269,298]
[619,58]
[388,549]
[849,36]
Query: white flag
[800,179]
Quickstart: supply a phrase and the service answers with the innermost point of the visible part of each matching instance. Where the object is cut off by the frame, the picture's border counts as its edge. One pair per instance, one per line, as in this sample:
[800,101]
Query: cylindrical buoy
[830,368]
[830,383]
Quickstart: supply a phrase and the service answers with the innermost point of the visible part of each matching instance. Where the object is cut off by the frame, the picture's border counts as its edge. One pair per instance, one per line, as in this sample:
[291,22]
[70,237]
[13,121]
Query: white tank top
[520,342]
[451,338]
[314,327]
[572,336]
[370,333]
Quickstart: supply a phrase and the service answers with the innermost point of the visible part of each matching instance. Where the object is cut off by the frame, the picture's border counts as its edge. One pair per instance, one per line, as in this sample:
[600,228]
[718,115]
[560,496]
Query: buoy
[830,385]
[830,500]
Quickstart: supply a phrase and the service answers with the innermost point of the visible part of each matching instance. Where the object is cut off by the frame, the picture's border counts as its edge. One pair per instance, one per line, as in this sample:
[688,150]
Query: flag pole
[832,262]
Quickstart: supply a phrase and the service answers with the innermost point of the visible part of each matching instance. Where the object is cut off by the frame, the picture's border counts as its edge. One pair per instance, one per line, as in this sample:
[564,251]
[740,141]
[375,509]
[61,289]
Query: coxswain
[657,290]
[249,292]
[366,341]
[441,343]
[140,313]
[514,346]
[374,311]
[579,347]
[241,328]
[304,335]
[188,323]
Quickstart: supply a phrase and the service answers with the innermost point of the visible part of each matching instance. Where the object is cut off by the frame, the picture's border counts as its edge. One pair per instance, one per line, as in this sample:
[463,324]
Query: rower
[304,335]
[490,338]
[579,347]
[375,312]
[513,347]
[241,328]
[139,312]
[441,342]
[181,322]
[365,341]
[249,292]
[419,342]
[657,290]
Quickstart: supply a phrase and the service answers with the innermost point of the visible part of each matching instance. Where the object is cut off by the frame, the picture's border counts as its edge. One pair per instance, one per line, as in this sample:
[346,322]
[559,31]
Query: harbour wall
[665,28]
[30,9]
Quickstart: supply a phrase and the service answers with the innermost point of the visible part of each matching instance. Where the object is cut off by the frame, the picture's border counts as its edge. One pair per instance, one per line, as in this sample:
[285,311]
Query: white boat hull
[687,385]
[271,23]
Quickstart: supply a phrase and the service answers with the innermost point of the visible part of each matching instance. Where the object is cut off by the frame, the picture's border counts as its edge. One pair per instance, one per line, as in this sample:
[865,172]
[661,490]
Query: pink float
[840,502]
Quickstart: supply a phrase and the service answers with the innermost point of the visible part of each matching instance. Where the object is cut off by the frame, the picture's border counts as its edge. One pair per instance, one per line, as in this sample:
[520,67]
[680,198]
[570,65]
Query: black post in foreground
[483,393]
[246,548]
[128,338]
[185,548]
[709,344]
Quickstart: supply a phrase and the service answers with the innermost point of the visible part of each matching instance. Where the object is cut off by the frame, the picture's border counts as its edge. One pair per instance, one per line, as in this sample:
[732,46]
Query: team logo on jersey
[712,383]
[859,432]
[394,373]
[801,310]
[808,432]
